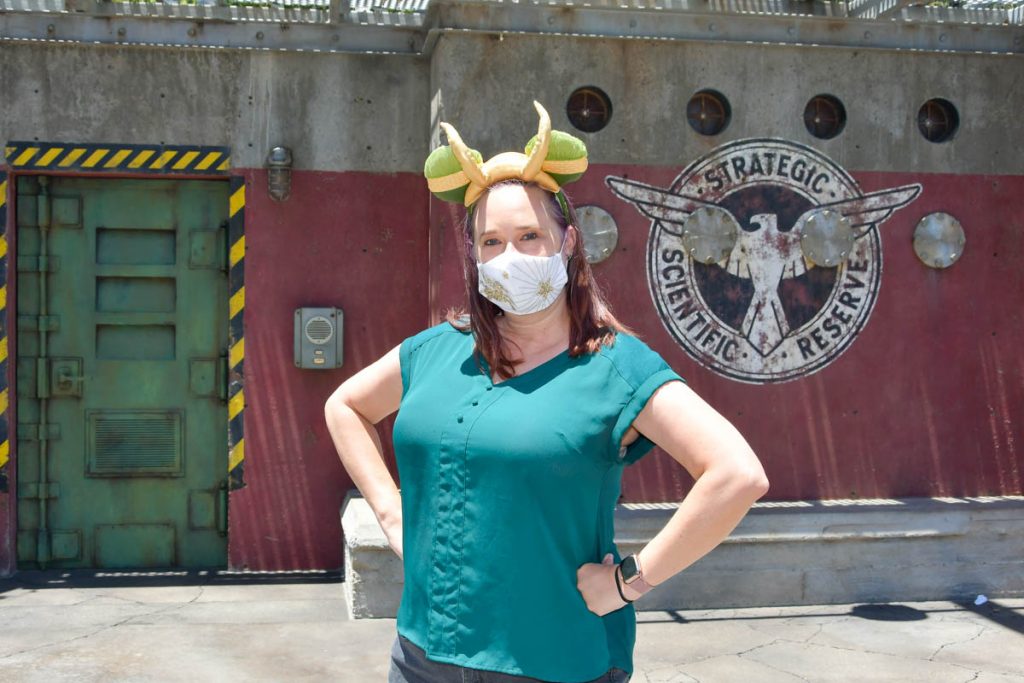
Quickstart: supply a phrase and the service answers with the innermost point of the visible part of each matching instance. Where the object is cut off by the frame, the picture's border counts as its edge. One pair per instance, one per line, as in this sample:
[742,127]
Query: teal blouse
[506,490]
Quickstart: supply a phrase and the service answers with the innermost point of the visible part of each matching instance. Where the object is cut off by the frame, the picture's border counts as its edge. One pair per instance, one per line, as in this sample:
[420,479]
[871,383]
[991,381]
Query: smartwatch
[632,574]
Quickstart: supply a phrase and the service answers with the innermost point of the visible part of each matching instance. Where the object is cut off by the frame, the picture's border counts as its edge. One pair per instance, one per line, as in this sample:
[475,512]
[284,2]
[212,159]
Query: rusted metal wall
[925,401]
[351,240]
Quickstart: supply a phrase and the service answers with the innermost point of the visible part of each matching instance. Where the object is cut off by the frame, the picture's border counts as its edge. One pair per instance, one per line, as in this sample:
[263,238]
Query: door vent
[134,443]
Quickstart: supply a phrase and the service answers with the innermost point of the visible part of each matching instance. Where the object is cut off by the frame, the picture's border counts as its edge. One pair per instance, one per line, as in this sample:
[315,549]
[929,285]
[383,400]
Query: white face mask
[522,284]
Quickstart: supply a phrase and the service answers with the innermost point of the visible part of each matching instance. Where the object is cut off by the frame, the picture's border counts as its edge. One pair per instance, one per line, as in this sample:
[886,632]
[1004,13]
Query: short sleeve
[645,372]
[405,362]
[408,352]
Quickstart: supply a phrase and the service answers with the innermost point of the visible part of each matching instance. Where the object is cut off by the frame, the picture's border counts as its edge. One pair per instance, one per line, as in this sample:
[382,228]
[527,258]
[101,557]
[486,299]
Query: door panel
[122,305]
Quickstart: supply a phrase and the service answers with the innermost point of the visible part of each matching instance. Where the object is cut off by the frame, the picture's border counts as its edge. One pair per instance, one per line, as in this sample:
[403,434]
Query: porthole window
[824,117]
[938,120]
[708,112]
[589,109]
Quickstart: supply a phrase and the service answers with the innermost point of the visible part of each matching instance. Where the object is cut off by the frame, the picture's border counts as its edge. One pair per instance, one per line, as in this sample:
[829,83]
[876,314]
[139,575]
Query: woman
[514,425]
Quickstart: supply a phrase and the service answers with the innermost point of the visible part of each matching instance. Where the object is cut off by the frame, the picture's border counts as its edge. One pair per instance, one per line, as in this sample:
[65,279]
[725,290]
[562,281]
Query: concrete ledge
[784,553]
[373,572]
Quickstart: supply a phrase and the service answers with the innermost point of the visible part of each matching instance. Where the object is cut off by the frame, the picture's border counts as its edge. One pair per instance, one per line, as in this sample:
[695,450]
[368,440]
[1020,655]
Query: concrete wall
[336,112]
[485,85]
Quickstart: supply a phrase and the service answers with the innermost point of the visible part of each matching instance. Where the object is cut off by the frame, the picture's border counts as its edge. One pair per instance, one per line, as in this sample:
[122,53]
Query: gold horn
[461,152]
[540,150]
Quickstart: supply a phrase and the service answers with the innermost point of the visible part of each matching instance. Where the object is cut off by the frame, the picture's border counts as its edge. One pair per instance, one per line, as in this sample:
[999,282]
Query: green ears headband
[456,173]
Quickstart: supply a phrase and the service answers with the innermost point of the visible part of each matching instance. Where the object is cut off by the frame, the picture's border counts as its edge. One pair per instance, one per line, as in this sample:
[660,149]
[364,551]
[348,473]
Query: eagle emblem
[733,246]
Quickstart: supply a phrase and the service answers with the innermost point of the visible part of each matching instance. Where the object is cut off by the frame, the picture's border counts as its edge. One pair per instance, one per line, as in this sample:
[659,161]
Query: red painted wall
[357,241]
[927,401]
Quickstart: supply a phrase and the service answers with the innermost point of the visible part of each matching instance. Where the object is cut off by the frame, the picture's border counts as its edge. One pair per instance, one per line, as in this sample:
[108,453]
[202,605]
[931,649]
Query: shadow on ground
[113,578]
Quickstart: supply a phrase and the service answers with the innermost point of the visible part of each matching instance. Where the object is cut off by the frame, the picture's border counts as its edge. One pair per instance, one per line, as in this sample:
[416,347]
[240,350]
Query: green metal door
[121,372]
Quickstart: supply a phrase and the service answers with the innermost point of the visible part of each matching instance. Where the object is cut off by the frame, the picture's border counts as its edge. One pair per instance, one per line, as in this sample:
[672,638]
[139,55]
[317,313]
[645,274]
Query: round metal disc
[939,240]
[600,233]
[826,238]
[709,234]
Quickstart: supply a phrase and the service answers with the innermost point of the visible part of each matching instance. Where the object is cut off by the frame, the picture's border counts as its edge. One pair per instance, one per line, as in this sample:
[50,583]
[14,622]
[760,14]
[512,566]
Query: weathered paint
[762,311]
[135,281]
[357,241]
[926,426]
[943,413]
[236,333]
[64,157]
[5,445]
[926,401]
[8,469]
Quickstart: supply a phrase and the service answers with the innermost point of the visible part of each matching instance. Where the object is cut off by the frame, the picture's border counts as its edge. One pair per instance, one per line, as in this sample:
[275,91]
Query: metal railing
[337,25]
[382,12]
[966,11]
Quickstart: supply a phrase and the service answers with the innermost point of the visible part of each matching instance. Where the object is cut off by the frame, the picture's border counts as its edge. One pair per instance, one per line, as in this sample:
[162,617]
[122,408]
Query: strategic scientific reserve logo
[764,257]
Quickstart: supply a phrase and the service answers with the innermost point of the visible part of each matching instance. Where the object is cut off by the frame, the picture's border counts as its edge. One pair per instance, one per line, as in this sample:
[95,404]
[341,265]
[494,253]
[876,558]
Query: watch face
[629,569]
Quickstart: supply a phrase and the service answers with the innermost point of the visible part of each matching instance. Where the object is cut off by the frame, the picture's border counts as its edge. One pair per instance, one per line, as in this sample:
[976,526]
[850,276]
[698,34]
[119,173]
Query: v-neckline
[549,361]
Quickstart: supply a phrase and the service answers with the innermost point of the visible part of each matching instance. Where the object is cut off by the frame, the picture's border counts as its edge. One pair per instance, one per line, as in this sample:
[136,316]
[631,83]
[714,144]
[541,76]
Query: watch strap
[618,570]
[637,583]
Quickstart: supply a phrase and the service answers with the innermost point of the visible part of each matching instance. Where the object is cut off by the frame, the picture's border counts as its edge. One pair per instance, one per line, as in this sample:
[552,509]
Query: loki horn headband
[456,173]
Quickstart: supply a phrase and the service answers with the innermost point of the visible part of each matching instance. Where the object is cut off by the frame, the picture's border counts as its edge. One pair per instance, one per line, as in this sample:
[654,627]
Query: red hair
[591,323]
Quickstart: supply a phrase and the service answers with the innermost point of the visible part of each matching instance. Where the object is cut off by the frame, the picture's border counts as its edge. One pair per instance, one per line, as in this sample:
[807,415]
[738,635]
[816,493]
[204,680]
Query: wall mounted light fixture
[939,240]
[600,233]
[279,173]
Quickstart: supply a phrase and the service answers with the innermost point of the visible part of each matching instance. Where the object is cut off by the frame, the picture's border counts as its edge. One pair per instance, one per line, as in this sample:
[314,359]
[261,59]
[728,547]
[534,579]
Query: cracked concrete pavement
[195,626]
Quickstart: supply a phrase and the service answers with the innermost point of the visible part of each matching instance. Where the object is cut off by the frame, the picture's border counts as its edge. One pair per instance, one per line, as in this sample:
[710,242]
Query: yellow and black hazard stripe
[236,333]
[5,443]
[116,158]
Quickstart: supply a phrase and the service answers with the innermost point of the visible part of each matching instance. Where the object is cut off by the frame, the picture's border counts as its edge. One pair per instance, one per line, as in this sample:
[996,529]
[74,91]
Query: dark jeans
[409,664]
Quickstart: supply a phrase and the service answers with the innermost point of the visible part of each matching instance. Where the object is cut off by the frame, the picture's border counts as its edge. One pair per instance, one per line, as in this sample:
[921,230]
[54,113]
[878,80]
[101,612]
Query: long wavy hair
[591,323]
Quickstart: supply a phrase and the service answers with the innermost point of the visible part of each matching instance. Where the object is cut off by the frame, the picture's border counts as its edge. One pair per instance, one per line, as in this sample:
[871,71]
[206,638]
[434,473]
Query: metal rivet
[259,35]
[121,31]
[192,33]
[50,28]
